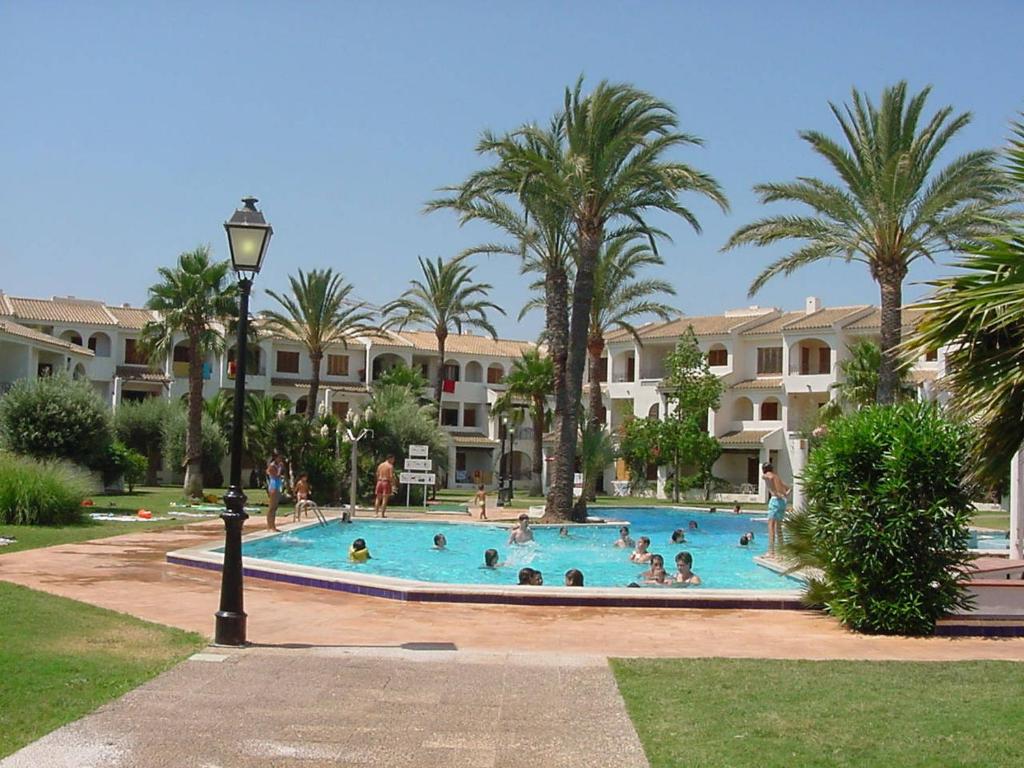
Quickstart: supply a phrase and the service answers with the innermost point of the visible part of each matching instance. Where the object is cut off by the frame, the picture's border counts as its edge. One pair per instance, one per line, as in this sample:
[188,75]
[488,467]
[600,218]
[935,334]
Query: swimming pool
[403,550]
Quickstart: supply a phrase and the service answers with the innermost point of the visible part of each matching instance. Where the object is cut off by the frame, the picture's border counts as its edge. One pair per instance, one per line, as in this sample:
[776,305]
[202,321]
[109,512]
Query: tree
[531,379]
[691,390]
[596,451]
[640,447]
[603,163]
[319,313]
[193,300]
[140,426]
[977,315]
[890,208]
[446,299]
[859,374]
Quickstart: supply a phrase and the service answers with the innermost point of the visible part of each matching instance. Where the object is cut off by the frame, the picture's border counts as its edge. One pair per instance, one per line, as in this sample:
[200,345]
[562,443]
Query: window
[337,365]
[769,359]
[824,360]
[339,408]
[449,417]
[495,374]
[460,461]
[770,410]
[287,362]
[469,417]
[931,356]
[719,356]
[181,354]
[450,371]
[133,353]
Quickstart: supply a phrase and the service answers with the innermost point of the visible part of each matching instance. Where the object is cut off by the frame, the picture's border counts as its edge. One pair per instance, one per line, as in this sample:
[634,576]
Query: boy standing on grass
[777,491]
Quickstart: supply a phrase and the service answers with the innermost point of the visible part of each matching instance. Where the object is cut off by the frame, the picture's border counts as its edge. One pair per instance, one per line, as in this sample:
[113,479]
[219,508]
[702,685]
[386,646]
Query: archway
[384,362]
[743,409]
[810,357]
[73,337]
[771,409]
[654,412]
[99,343]
[495,373]
[474,371]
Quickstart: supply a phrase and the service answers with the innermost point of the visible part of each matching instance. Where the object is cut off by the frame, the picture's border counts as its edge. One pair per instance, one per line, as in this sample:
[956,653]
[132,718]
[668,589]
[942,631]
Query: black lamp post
[511,461]
[248,237]
[502,464]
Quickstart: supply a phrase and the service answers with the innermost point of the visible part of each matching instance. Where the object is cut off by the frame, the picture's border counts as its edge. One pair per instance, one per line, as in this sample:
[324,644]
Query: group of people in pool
[522,534]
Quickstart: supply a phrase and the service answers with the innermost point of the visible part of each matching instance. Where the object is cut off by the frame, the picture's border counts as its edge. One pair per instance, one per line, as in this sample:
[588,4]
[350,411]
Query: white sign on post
[417,478]
[419,451]
[418,465]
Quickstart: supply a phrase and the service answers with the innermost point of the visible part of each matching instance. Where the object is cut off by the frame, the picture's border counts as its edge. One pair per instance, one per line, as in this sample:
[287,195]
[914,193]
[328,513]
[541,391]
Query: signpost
[417,467]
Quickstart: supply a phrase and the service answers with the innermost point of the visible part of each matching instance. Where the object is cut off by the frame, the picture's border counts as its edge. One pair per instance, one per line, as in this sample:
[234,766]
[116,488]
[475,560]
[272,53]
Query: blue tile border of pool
[441,596]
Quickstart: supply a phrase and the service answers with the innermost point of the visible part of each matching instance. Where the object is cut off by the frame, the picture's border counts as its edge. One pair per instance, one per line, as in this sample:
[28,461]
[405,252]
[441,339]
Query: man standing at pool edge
[777,491]
[385,486]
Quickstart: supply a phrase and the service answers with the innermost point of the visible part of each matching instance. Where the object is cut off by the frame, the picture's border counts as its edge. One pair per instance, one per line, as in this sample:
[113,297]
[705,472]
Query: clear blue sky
[128,130]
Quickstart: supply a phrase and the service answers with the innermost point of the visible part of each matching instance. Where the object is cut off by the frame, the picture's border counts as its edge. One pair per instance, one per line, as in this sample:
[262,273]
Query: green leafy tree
[977,315]
[212,446]
[691,390]
[859,376]
[640,447]
[319,313]
[194,299]
[602,161]
[531,379]
[596,451]
[56,417]
[140,426]
[891,206]
[446,299]
[221,411]
[885,525]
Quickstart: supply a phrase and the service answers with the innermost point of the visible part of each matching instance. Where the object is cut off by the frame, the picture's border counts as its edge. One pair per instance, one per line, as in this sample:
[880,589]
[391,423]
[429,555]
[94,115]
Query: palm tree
[601,162]
[531,378]
[193,299]
[319,314]
[858,386]
[890,208]
[446,299]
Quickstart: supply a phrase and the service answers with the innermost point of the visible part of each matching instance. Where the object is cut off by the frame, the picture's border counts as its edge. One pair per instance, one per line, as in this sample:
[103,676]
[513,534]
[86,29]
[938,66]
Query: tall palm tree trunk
[193,485]
[890,282]
[537,481]
[560,501]
[560,470]
[595,348]
[442,337]
[314,384]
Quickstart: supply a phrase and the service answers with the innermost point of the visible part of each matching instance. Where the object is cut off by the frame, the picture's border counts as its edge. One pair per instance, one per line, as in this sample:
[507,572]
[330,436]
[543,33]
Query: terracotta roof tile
[12,328]
[774,326]
[469,344]
[59,310]
[472,439]
[753,437]
[140,373]
[826,318]
[873,320]
[766,383]
[339,386]
[131,317]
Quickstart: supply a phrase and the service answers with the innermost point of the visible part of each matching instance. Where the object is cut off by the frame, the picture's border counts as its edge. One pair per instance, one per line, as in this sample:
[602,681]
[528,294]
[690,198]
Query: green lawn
[156,499]
[998,520]
[788,714]
[60,659]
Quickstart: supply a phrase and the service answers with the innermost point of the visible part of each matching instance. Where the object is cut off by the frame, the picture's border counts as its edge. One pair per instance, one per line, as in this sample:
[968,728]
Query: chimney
[812,305]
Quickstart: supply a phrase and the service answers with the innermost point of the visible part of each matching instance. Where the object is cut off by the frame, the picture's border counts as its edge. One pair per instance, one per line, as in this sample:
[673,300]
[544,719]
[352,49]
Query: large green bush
[214,446]
[34,492]
[140,426]
[886,519]
[56,417]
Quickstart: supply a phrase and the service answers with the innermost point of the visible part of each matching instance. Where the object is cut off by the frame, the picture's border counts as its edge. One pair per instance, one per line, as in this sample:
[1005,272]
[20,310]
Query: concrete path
[337,707]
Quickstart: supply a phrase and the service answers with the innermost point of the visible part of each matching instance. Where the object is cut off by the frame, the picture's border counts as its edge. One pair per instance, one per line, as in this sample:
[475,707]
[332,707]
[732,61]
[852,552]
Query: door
[753,474]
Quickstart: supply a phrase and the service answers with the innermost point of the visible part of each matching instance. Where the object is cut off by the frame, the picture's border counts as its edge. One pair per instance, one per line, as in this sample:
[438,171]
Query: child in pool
[693,525]
[640,554]
[358,553]
[624,539]
[685,576]
[657,563]
[521,534]
[491,559]
[736,509]
[480,500]
[530,577]
[678,537]
[440,542]
[573,578]
[747,539]
[563,532]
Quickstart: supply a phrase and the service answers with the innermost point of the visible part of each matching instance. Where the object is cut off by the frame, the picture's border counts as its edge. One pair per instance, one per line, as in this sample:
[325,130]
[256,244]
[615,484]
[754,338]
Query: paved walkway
[334,707]
[129,574]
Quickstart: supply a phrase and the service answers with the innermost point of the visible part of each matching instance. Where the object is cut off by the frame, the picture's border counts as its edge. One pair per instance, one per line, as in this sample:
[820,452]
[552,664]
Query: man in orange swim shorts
[385,486]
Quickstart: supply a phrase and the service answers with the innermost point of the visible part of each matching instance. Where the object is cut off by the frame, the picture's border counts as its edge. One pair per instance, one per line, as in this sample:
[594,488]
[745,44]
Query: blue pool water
[403,549]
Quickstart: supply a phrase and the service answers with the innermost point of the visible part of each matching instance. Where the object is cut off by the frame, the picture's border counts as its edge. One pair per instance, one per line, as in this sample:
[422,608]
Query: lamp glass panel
[246,247]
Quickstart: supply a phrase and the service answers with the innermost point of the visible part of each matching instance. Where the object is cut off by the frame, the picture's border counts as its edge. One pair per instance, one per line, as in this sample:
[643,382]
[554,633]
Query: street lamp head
[248,237]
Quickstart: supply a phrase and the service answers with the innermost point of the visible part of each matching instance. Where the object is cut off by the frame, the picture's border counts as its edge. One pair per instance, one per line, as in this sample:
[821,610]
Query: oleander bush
[214,446]
[886,519]
[124,464]
[35,492]
[56,417]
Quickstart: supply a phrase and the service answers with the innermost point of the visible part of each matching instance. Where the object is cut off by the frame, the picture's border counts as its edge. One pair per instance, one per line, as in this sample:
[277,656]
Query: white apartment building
[778,369]
[100,343]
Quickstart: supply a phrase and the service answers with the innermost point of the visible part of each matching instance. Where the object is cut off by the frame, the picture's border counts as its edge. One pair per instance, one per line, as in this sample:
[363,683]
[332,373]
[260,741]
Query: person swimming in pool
[657,563]
[521,534]
[684,571]
[624,539]
[528,577]
[491,559]
[440,542]
[573,578]
[640,554]
[678,537]
[358,552]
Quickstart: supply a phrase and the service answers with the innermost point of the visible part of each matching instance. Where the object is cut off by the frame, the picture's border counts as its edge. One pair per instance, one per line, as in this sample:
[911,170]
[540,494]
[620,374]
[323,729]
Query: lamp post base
[229,629]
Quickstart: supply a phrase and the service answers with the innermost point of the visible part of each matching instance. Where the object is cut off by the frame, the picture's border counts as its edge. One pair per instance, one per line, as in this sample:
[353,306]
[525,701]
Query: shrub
[886,519]
[56,417]
[124,463]
[34,492]
[214,446]
[326,474]
[140,426]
